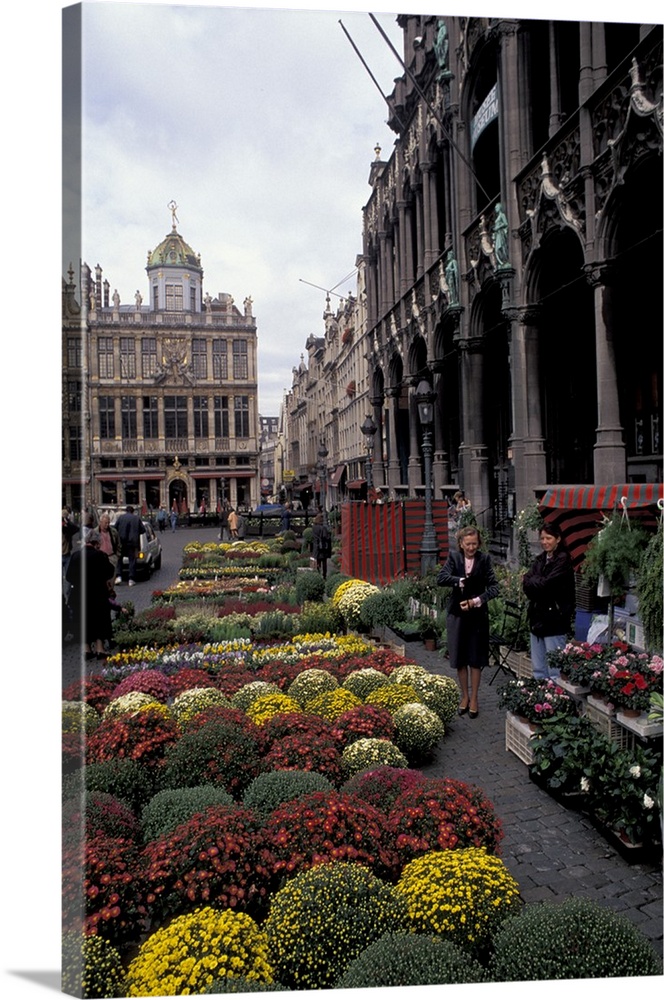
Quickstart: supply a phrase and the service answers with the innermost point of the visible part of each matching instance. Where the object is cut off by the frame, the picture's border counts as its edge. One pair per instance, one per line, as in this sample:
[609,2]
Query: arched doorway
[177,495]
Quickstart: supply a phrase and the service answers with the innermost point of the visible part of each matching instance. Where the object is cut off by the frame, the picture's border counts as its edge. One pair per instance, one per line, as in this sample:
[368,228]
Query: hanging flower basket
[351,388]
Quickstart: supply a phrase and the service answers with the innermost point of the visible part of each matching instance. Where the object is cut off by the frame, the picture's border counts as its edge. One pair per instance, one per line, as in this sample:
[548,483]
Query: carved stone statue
[116,299]
[248,304]
[452,278]
[208,302]
[139,299]
[441,47]
[500,227]
[93,301]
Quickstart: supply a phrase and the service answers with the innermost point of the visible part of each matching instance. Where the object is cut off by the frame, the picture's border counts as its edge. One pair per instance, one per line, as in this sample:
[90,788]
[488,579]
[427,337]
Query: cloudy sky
[261,125]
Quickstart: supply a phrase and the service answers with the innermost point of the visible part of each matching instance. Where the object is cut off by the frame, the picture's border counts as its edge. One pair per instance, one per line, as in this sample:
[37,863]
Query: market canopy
[579,511]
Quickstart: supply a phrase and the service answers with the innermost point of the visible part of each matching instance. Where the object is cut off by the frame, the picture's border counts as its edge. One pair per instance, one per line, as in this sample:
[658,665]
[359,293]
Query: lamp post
[369,429]
[425,397]
[322,467]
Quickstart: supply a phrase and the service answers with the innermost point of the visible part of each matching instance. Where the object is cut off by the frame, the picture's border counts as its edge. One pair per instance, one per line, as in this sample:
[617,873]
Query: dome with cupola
[175,273]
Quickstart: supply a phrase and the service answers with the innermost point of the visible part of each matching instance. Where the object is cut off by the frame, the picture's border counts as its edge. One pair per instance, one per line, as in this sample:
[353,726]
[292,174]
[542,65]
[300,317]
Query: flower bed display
[252,813]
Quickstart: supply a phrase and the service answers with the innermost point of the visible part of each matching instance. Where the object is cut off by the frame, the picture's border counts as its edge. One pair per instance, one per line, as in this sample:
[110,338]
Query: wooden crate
[518,737]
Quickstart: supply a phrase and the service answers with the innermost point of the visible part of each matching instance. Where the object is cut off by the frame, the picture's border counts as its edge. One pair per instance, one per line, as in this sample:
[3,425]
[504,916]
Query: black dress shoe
[473,715]
[462,711]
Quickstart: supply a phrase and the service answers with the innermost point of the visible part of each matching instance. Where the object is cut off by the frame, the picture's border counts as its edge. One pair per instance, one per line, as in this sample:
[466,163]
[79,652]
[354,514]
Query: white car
[149,555]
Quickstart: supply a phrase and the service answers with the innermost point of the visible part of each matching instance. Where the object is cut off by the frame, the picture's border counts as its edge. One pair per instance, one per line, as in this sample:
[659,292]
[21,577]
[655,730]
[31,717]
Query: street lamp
[369,429]
[425,397]
[322,466]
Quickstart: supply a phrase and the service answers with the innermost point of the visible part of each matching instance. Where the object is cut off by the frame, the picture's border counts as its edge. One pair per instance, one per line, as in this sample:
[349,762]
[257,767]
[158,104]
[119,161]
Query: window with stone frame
[174,302]
[106,406]
[199,357]
[105,357]
[150,417]
[240,359]
[127,357]
[241,413]
[148,357]
[175,416]
[74,352]
[129,425]
[75,443]
[75,396]
[201,417]
[219,360]
[221,417]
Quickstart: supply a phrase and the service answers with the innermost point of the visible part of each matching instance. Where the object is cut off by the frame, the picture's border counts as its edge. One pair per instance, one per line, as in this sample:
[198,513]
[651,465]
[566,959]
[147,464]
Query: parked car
[149,555]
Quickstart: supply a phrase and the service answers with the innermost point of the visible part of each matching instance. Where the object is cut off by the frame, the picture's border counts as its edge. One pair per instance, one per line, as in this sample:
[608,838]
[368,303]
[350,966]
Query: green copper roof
[174,252]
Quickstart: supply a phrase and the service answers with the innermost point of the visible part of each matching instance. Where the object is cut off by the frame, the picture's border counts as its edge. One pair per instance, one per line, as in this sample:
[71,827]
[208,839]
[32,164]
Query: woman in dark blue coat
[470,574]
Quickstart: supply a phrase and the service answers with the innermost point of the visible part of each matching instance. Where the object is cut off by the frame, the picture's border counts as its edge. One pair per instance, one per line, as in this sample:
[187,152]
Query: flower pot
[631,713]
[431,644]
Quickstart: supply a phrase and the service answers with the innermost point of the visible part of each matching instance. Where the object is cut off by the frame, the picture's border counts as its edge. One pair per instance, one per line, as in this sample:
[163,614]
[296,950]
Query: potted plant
[613,557]
[567,752]
[534,699]
[629,680]
[649,591]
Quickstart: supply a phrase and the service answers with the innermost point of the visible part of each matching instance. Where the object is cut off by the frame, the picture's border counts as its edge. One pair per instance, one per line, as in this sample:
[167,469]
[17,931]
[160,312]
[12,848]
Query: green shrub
[333,581]
[271,789]
[410,960]
[323,918]
[362,682]
[382,609]
[575,939]
[317,617]
[310,683]
[365,753]
[124,779]
[309,586]
[240,984]
[418,731]
[225,631]
[91,967]
[172,806]
[274,625]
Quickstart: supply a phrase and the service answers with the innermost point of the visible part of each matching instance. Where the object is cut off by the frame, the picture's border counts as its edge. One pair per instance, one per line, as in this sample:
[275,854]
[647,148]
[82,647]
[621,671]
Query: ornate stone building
[512,257]
[160,401]
[512,252]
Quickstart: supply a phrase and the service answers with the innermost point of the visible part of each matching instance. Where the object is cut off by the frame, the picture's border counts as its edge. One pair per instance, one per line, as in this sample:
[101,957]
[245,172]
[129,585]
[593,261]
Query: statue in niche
[500,227]
[452,277]
[441,47]
[93,301]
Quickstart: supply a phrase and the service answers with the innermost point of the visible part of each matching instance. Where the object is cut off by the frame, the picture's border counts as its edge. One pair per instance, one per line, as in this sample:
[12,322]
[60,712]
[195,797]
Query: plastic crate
[518,737]
[607,724]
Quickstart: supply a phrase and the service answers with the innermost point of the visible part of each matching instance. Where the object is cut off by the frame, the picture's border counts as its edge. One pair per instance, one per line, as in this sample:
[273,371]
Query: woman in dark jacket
[470,574]
[549,587]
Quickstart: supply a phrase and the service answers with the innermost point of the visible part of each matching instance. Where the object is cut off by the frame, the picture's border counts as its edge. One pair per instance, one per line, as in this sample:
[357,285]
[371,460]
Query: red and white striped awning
[579,511]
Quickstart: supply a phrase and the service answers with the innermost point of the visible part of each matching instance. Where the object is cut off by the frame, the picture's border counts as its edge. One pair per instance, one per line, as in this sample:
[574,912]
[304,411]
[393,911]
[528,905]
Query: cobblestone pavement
[553,852]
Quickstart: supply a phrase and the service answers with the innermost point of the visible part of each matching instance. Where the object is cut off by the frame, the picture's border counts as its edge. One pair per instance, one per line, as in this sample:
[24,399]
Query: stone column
[610,459]
[473,453]
[408,240]
[527,442]
[440,464]
[415,468]
[382,274]
[393,468]
[389,277]
[554,101]
[378,463]
[419,222]
[426,199]
[402,268]
[434,236]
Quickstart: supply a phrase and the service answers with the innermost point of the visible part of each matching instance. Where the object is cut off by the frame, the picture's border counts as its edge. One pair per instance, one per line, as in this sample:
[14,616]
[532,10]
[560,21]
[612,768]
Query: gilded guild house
[160,401]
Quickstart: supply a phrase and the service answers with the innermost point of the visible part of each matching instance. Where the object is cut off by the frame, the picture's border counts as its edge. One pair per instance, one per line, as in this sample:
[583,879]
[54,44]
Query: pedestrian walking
[285,522]
[174,518]
[224,533]
[161,518]
[130,528]
[322,544]
[549,587]
[90,574]
[470,574]
[110,543]
[233,523]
